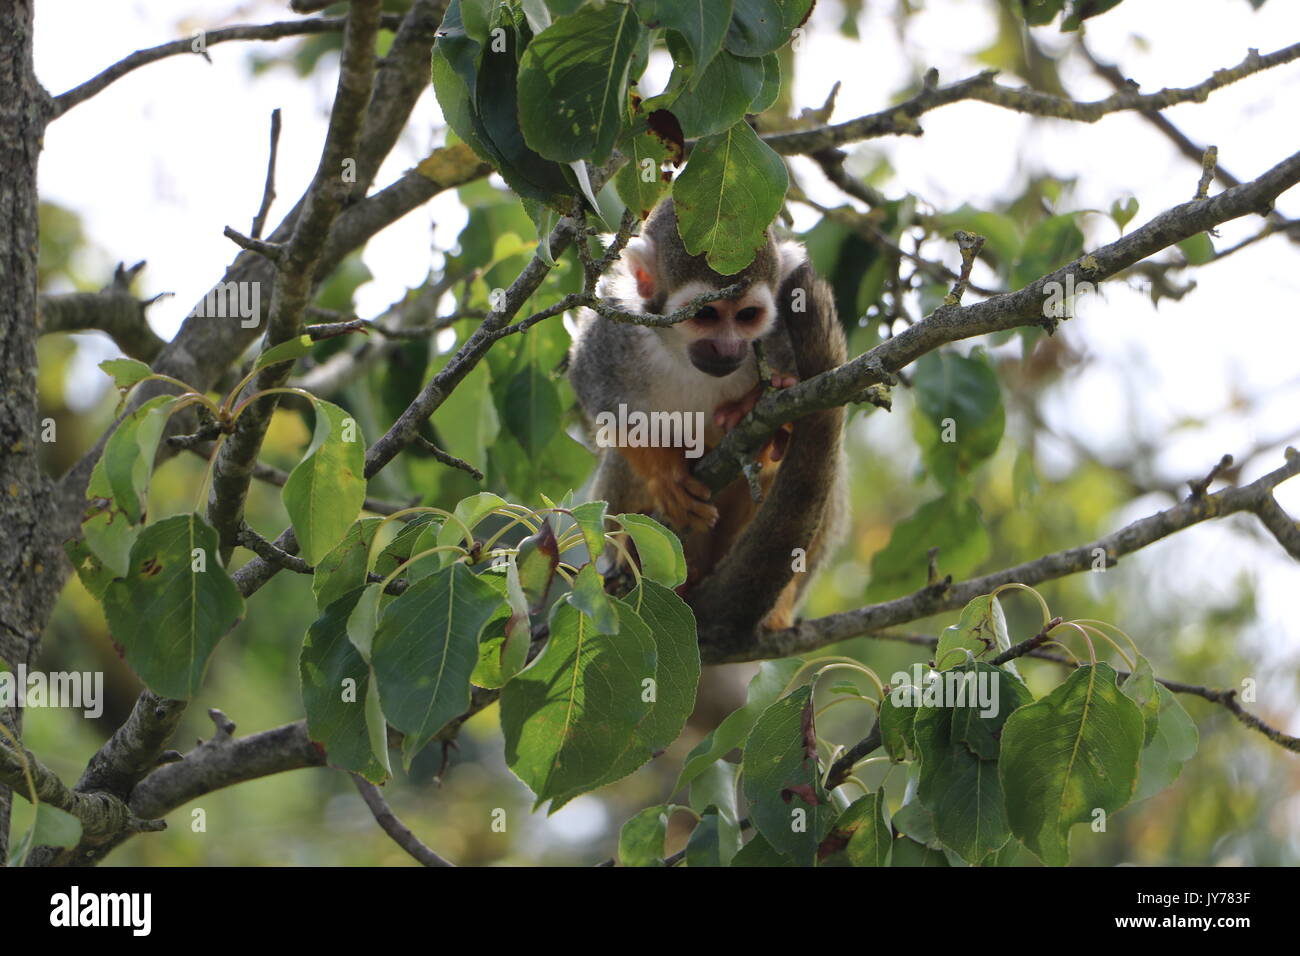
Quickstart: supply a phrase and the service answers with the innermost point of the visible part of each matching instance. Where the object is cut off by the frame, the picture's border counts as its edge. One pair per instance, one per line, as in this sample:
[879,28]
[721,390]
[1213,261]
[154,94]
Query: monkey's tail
[746,583]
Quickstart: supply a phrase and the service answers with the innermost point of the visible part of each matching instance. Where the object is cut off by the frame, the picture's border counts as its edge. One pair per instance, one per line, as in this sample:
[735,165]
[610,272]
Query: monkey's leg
[681,499]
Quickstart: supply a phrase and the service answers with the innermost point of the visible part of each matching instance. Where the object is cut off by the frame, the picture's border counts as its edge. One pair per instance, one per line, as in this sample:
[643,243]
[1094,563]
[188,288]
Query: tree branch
[263,31]
[296,264]
[808,636]
[113,310]
[951,323]
[901,119]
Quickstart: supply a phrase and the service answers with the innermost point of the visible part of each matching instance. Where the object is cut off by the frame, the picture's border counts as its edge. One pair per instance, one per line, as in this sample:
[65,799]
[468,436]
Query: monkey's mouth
[716,366]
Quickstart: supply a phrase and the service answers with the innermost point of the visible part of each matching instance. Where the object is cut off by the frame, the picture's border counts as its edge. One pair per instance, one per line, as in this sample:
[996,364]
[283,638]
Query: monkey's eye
[708,313]
[748,314]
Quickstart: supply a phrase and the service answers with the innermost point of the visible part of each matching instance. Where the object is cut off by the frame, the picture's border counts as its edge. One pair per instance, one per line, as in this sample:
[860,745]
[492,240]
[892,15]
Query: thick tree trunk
[31,568]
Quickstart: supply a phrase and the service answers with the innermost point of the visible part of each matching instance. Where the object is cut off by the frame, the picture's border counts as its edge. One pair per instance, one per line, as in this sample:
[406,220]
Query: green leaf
[704,845]
[640,182]
[52,827]
[1063,757]
[125,371]
[590,518]
[536,558]
[425,650]
[129,455]
[399,549]
[95,577]
[981,630]
[714,791]
[470,511]
[364,619]
[1081,10]
[915,819]
[517,629]
[862,832]
[782,778]
[959,415]
[1197,249]
[335,679]
[168,616]
[958,749]
[952,524]
[55,827]
[1140,687]
[641,841]
[764,688]
[326,490]
[108,533]
[896,723]
[1123,212]
[763,26]
[658,548]
[1039,13]
[346,566]
[570,715]
[1174,743]
[294,348]
[907,852]
[729,85]
[701,23]
[573,83]
[731,190]
[767,94]
[532,408]
[589,597]
[758,852]
[677,661]
[666,618]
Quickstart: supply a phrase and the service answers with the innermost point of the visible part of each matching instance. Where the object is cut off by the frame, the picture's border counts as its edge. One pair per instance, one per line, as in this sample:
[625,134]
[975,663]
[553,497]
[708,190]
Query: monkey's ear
[790,256]
[641,264]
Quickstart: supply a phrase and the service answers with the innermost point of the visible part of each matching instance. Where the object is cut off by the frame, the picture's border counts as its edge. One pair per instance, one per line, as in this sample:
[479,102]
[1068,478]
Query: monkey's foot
[683,501]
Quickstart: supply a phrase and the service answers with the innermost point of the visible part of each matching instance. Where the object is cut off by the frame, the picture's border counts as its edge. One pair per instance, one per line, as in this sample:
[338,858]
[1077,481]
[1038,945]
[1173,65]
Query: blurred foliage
[1233,804]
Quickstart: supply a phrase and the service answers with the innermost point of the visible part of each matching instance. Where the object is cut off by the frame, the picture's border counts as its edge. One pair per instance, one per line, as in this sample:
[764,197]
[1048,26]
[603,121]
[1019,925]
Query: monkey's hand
[680,498]
[730,414]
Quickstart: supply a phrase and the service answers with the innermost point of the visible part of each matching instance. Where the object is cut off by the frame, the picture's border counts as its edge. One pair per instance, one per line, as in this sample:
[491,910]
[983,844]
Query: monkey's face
[719,337]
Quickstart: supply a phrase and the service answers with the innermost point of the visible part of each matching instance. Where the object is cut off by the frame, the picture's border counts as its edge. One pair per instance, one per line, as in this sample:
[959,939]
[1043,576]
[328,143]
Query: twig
[395,828]
[268,191]
[271,250]
[264,31]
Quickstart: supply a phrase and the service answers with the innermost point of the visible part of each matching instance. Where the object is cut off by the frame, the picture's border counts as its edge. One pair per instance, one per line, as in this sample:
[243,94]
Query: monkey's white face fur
[708,359]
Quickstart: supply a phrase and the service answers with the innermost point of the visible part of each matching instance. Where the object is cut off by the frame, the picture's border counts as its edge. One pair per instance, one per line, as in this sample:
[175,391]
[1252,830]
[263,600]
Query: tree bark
[31,569]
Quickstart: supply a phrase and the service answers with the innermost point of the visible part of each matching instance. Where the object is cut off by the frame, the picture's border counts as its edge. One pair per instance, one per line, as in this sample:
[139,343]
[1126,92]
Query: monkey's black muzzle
[716,358]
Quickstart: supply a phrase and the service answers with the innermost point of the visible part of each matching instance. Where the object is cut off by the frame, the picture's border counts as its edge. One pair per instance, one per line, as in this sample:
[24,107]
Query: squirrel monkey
[741,557]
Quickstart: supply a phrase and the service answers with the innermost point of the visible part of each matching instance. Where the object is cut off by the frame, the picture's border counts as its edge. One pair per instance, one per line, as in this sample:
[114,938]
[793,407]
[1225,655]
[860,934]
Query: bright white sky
[160,162]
